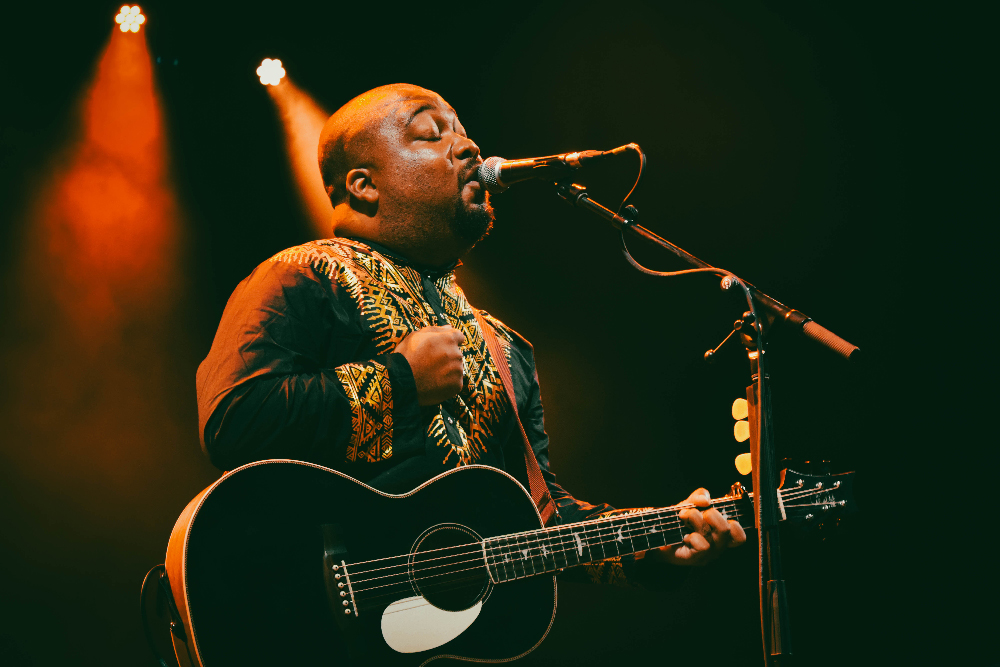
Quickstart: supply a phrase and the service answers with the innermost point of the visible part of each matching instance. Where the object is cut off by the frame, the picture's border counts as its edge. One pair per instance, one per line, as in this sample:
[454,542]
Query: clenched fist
[435,357]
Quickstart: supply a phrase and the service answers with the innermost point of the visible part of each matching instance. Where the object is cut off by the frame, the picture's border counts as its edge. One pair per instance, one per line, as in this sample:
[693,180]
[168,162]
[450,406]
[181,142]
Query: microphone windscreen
[489,175]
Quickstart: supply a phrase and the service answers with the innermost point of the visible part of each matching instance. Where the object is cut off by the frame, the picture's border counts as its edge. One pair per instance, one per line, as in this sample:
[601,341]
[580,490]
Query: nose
[466,149]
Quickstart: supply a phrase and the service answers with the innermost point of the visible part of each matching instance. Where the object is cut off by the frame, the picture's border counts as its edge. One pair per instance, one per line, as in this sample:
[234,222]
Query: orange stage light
[303,120]
[99,282]
[107,224]
[130,18]
[270,72]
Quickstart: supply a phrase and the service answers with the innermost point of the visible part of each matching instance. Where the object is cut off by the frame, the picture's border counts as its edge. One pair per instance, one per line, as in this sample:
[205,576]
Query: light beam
[303,120]
[98,283]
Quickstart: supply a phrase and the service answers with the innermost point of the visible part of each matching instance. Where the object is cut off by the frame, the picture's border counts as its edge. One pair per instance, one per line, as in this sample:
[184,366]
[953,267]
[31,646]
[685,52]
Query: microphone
[497,174]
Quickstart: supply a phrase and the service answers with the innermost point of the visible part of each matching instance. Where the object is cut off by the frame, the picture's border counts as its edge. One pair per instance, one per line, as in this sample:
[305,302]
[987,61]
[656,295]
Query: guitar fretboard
[547,550]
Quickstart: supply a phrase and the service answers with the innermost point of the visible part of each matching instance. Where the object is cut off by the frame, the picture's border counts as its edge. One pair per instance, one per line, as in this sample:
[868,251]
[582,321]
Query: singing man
[361,353]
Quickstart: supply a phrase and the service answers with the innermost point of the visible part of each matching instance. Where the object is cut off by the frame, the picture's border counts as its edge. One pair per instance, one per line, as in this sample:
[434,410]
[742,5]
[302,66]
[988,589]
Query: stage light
[270,72]
[130,18]
[303,120]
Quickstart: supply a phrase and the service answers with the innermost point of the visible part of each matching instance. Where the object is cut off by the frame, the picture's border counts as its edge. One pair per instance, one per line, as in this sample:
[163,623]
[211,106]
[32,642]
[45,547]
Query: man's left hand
[712,534]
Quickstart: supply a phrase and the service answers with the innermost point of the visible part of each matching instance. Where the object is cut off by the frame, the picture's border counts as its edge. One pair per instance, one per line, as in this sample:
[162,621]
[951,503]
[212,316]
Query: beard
[472,222]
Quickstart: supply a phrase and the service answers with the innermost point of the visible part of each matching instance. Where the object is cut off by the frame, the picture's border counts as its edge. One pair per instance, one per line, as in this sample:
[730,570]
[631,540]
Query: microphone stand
[775,633]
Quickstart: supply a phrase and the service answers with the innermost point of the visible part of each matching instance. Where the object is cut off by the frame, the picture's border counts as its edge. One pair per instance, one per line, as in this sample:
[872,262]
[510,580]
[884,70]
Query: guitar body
[251,567]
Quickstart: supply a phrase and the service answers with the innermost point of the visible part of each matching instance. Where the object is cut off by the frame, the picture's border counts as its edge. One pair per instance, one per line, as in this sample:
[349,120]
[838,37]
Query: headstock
[805,500]
[815,499]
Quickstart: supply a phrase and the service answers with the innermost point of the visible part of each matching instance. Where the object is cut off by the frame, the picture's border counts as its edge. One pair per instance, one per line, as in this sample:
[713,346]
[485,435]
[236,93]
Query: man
[361,353]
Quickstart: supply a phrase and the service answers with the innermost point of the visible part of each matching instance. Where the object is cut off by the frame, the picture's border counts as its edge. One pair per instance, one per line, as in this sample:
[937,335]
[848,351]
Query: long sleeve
[283,379]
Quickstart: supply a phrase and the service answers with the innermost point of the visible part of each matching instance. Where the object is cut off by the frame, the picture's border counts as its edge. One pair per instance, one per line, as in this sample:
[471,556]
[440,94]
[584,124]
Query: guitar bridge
[338,581]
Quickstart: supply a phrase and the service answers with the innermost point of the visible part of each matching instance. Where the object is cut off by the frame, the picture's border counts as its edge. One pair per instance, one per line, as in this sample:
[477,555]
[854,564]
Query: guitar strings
[450,582]
[645,520]
[640,520]
[478,545]
[569,540]
[792,494]
[480,564]
[725,499]
[628,530]
[631,529]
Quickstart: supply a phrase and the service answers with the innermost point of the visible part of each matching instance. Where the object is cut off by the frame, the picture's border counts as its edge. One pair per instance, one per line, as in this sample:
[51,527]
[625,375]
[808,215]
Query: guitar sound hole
[446,567]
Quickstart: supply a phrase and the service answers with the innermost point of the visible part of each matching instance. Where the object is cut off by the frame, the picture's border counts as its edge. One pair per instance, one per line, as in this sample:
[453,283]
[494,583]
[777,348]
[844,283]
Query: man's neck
[405,258]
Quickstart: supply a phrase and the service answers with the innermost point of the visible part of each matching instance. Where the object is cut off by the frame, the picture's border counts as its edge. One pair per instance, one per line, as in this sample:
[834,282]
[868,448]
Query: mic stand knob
[743,325]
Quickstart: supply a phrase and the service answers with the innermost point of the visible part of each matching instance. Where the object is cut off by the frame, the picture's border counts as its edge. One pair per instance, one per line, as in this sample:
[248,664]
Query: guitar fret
[508,565]
[521,555]
[654,534]
[562,548]
[516,567]
[552,548]
[492,561]
[628,536]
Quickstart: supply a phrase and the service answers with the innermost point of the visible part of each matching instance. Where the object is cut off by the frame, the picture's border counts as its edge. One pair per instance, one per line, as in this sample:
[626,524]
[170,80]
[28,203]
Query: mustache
[471,173]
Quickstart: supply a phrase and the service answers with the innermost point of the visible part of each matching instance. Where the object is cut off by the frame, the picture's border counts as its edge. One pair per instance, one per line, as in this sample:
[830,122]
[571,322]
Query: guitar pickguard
[413,624]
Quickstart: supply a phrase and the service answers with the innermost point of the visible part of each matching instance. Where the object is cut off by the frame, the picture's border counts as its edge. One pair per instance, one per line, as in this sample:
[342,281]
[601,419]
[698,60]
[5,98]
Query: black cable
[758,326]
[145,621]
[642,163]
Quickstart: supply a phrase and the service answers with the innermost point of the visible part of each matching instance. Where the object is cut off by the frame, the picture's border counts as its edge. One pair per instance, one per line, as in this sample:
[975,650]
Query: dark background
[815,149]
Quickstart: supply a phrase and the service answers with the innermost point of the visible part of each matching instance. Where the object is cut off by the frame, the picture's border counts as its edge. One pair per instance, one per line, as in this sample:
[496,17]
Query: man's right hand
[435,357]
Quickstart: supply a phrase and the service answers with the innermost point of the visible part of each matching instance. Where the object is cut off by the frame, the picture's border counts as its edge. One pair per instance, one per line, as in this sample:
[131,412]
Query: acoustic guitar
[289,563]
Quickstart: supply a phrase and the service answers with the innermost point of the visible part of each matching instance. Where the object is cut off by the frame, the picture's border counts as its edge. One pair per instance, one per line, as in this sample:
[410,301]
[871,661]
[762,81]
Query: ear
[360,186]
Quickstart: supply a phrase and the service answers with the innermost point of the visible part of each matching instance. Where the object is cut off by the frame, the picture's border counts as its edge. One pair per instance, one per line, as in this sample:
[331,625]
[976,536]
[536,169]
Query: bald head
[350,137]
[400,170]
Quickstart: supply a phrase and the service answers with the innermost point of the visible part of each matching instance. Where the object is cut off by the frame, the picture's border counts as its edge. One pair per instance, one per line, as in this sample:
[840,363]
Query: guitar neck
[549,550]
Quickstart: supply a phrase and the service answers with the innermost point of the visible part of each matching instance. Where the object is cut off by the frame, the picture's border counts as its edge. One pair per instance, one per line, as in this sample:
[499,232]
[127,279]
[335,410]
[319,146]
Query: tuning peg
[744,465]
[741,429]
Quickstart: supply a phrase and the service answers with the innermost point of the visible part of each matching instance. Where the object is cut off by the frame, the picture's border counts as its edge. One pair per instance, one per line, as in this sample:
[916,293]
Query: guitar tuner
[741,429]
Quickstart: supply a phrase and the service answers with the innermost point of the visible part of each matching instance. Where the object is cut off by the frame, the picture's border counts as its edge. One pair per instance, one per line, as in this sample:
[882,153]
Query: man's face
[428,174]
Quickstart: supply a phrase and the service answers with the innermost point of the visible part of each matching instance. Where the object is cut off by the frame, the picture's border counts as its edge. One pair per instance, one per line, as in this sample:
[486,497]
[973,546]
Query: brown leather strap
[539,491]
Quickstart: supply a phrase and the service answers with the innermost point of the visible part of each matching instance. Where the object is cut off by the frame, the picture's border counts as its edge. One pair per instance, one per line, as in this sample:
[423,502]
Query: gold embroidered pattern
[392,304]
[608,571]
[370,393]
[481,407]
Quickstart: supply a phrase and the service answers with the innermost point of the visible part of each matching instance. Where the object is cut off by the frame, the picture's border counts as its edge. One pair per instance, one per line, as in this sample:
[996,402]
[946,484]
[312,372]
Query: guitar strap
[539,491]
